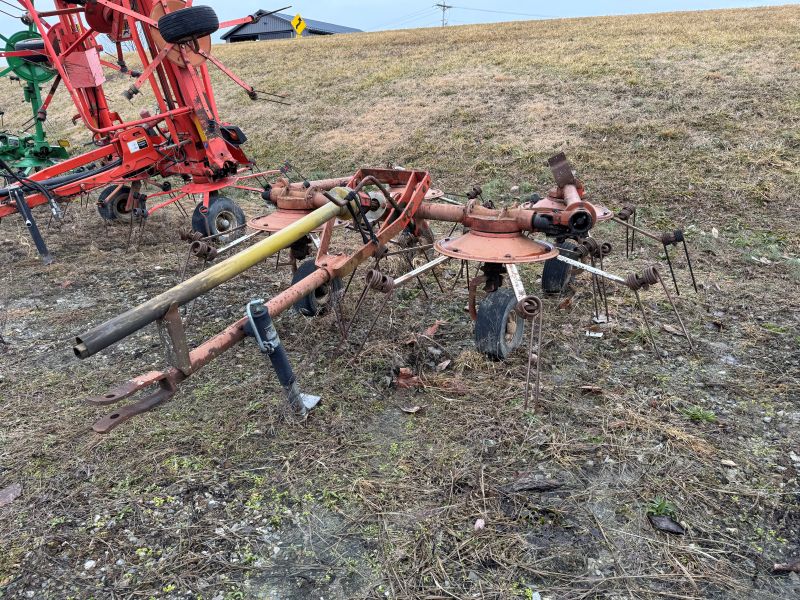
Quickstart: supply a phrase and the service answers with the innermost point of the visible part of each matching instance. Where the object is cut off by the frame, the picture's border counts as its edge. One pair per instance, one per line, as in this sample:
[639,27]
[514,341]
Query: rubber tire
[36,44]
[207,224]
[490,328]
[310,305]
[111,209]
[188,23]
[556,274]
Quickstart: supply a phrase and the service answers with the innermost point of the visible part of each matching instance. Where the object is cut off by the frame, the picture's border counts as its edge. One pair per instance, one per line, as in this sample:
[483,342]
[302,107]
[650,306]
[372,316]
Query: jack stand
[30,223]
[261,327]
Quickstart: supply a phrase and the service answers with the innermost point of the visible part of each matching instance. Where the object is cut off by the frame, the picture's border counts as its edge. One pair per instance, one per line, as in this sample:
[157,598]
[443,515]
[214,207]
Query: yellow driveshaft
[123,325]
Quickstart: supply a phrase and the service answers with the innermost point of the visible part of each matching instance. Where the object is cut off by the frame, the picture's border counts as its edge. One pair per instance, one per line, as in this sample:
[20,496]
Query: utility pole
[444,8]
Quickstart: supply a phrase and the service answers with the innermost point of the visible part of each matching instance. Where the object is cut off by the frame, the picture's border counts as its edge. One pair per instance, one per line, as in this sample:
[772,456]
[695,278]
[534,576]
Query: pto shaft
[123,325]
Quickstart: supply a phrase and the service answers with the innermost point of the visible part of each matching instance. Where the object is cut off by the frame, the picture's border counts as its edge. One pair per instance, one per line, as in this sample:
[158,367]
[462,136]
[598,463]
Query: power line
[409,17]
[427,15]
[503,12]
[444,8]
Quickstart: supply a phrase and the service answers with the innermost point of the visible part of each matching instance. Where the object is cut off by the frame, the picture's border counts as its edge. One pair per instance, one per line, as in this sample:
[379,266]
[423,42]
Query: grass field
[693,117]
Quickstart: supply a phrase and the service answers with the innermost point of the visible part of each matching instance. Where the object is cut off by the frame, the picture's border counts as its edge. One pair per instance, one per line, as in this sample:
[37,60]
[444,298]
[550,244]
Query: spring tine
[433,272]
[130,231]
[627,243]
[647,323]
[347,287]
[194,302]
[529,308]
[140,233]
[436,277]
[186,264]
[671,272]
[458,277]
[689,262]
[371,327]
[677,314]
[595,285]
[355,314]
[339,314]
[605,292]
[419,280]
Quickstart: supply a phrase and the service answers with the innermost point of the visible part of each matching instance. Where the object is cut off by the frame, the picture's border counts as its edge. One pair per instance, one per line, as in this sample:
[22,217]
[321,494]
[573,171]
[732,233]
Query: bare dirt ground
[693,117]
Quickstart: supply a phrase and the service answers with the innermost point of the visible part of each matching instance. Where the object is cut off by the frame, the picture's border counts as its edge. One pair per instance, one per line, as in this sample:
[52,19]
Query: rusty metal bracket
[562,170]
[166,389]
[178,350]
[127,389]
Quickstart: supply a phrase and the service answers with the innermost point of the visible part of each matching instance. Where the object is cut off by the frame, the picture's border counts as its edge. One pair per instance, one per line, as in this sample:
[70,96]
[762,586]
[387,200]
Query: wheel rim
[224,221]
[322,295]
[511,327]
[121,204]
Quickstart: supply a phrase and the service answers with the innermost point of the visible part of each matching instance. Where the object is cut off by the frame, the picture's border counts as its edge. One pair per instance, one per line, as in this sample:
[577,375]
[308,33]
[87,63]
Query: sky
[390,14]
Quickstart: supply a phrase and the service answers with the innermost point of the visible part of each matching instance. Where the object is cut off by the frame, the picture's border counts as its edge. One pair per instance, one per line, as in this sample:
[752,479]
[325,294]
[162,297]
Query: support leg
[30,223]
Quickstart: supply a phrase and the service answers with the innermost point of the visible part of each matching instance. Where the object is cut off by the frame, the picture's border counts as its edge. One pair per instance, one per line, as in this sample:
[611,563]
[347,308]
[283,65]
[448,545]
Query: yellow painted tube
[123,325]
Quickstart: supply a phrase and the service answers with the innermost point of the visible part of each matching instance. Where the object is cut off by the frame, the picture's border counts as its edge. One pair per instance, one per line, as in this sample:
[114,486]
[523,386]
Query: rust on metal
[179,352]
[562,170]
[505,248]
[278,219]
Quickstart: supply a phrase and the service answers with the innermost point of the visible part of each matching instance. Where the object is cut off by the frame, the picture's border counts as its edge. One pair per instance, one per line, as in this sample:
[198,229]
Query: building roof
[283,22]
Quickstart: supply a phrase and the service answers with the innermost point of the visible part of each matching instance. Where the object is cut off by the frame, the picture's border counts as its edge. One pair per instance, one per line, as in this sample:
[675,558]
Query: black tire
[113,208]
[188,23]
[223,215]
[318,301]
[35,45]
[556,274]
[494,336]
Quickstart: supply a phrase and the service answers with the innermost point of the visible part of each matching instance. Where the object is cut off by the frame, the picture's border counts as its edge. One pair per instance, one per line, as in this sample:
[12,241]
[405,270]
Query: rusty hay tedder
[383,207]
[185,138]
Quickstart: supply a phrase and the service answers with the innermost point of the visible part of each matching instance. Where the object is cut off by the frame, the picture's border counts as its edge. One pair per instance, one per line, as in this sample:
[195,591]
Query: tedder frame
[383,205]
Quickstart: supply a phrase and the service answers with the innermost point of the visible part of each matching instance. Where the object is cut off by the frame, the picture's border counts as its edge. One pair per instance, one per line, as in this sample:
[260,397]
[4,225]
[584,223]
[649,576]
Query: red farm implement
[186,138]
[384,207]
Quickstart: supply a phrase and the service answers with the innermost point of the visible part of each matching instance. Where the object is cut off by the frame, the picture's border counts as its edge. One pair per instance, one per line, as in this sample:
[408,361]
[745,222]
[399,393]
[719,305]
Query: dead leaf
[406,379]
[10,493]
[479,524]
[443,365]
[672,330]
[66,283]
[565,303]
[412,410]
[728,463]
[431,331]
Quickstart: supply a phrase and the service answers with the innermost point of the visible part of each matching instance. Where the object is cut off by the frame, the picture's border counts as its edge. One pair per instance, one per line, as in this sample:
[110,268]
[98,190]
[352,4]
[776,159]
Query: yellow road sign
[298,24]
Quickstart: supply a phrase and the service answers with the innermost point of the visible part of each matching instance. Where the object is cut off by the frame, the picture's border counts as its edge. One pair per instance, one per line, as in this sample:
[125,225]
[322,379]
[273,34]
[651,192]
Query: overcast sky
[371,15]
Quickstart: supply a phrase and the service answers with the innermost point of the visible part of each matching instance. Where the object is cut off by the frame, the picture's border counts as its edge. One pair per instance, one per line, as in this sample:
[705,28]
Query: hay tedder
[29,152]
[185,138]
[384,208]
